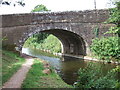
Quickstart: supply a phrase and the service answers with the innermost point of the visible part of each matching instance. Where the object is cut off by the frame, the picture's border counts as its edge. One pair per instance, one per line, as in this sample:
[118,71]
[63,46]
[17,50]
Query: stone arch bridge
[73,28]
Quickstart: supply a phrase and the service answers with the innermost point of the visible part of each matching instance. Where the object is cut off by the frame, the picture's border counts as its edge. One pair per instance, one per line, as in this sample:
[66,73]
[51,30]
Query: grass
[11,62]
[37,79]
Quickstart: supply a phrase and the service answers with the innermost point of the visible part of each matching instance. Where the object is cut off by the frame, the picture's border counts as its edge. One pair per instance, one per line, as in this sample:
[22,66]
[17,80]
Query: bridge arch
[72,42]
[76,26]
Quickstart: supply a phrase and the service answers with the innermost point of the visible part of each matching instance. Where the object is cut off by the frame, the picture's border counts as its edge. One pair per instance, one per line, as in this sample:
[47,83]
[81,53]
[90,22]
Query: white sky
[55,5]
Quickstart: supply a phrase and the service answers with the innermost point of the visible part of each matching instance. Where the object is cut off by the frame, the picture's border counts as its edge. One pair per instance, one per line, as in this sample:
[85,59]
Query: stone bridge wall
[94,16]
[73,27]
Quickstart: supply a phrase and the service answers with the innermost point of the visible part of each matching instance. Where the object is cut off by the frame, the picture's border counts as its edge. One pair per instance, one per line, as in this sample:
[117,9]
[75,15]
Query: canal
[68,68]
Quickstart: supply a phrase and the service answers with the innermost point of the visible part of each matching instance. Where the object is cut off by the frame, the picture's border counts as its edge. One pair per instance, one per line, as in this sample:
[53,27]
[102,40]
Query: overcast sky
[55,5]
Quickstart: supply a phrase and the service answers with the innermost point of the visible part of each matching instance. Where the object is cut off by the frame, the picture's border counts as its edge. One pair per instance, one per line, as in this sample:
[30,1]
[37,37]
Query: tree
[39,38]
[40,8]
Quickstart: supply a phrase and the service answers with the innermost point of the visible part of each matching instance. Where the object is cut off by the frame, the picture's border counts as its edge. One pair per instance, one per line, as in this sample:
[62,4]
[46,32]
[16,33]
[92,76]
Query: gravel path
[16,80]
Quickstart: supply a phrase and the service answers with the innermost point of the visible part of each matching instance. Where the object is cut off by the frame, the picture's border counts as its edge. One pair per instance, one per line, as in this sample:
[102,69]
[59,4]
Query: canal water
[68,68]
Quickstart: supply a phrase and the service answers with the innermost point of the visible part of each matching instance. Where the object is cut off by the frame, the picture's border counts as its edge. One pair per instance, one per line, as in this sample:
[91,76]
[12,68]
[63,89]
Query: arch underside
[72,43]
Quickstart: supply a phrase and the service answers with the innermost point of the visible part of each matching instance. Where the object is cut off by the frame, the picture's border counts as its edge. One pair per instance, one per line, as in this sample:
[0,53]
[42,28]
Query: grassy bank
[11,62]
[37,79]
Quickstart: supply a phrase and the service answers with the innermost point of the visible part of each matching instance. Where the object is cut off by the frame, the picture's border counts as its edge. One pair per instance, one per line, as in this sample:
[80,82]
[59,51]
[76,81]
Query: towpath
[17,79]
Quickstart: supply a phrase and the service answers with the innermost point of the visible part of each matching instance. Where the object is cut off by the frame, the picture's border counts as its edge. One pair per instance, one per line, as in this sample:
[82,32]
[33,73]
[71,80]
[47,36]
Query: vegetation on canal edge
[115,18]
[91,77]
[109,48]
[44,42]
[106,48]
[37,79]
[11,62]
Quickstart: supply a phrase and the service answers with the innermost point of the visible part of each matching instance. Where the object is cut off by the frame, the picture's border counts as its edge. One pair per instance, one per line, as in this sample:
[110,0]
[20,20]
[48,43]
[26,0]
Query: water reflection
[68,68]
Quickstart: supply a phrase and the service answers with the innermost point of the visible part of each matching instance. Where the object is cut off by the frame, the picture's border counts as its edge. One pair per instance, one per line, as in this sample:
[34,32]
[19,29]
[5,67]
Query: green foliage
[52,43]
[39,38]
[11,62]
[40,8]
[115,14]
[44,41]
[4,38]
[118,85]
[92,77]
[106,48]
[35,40]
[117,69]
[115,18]
[113,30]
[96,31]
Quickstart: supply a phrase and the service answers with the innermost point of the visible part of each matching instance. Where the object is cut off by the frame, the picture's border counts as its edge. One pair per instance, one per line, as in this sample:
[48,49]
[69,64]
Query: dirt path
[16,80]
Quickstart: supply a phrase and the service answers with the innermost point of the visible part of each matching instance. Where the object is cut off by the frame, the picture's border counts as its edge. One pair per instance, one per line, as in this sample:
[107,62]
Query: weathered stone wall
[18,27]
[94,16]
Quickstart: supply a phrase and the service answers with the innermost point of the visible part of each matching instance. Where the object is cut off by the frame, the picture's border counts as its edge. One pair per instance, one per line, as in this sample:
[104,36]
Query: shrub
[92,77]
[106,48]
[115,18]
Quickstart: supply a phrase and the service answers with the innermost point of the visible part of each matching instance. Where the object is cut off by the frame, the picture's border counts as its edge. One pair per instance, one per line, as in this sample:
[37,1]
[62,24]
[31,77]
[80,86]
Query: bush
[92,77]
[106,48]
[115,18]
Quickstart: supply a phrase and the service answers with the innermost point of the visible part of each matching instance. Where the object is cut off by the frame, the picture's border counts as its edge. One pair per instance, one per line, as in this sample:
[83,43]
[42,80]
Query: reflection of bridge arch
[72,43]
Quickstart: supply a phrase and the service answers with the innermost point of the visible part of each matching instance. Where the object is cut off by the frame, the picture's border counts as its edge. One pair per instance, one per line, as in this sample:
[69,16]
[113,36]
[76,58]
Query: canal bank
[15,79]
[86,58]
[42,75]
[67,67]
